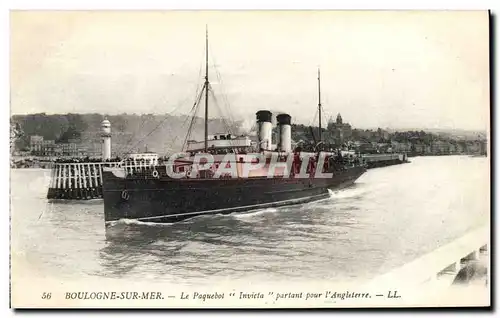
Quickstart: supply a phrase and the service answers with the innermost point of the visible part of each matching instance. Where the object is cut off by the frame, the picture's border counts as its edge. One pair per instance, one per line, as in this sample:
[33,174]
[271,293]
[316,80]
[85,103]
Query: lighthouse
[82,180]
[106,139]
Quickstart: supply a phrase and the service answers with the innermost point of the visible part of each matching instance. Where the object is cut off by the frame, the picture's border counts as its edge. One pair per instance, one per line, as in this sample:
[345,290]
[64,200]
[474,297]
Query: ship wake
[253,213]
[353,191]
[123,222]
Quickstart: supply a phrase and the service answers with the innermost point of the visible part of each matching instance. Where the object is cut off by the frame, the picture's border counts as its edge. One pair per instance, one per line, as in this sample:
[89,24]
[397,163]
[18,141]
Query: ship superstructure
[228,173]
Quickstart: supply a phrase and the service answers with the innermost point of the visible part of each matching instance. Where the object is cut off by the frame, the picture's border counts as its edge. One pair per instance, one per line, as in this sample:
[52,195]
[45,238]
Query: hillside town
[415,143]
[31,141]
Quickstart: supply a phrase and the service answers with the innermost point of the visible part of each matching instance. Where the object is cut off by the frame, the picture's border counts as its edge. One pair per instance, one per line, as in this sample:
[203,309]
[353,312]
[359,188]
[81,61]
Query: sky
[389,69]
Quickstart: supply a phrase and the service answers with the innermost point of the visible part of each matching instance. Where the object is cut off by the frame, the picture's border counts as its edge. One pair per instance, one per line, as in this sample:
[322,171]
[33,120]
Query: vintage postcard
[250,159]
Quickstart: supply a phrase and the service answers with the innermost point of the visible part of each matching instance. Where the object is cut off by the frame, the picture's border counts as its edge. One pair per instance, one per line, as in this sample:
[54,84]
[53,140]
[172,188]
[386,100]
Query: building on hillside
[47,148]
[36,143]
[440,147]
[74,140]
[461,147]
[473,147]
[41,147]
[382,134]
[420,148]
[400,146]
[339,131]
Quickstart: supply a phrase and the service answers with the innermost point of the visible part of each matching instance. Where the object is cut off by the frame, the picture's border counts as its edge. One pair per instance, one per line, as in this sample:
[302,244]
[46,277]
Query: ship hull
[166,200]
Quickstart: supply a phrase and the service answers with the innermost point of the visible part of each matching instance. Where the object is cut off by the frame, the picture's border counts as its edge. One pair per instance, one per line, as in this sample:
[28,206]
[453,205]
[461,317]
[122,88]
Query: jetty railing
[77,181]
[83,180]
[447,260]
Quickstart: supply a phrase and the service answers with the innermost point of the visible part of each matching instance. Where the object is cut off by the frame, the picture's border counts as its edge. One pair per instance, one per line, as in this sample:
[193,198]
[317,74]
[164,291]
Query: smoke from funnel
[247,127]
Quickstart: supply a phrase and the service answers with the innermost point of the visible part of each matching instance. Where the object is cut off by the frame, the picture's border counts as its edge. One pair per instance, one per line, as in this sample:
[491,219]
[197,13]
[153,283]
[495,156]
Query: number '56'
[46,295]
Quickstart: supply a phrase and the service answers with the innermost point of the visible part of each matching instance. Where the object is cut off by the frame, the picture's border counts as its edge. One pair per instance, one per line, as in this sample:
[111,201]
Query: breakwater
[77,181]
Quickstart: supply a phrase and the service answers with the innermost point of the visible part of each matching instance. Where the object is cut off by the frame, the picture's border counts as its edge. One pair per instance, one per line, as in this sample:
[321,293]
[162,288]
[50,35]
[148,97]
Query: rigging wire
[192,123]
[189,116]
[157,126]
[197,98]
[228,128]
[211,91]
[223,91]
[328,116]
[198,83]
[143,120]
[172,142]
[169,146]
[194,111]
[314,118]
[166,117]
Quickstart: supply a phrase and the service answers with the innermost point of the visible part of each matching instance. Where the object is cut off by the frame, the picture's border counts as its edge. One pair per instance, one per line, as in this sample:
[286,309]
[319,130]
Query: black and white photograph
[250,159]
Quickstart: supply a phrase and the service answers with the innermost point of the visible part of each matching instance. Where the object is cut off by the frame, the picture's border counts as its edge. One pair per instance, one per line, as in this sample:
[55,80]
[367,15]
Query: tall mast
[319,103]
[206,89]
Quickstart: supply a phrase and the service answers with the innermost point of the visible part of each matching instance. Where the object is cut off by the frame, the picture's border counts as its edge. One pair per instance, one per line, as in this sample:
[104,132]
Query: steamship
[226,174]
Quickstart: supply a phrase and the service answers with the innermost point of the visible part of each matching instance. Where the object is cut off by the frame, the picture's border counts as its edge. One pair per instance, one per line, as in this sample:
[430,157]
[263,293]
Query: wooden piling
[96,169]
[80,181]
